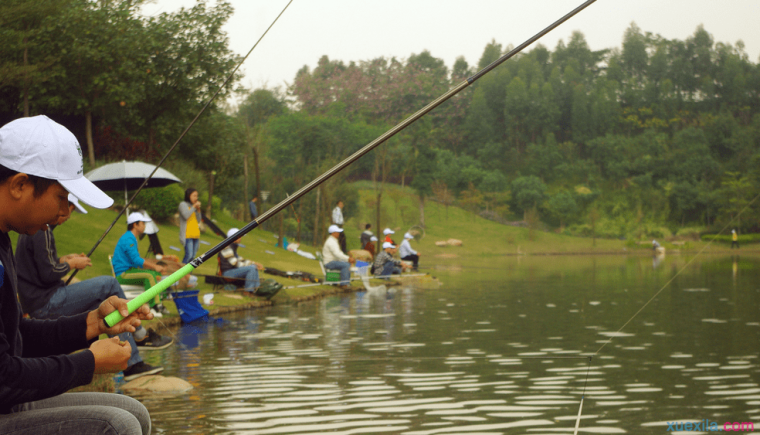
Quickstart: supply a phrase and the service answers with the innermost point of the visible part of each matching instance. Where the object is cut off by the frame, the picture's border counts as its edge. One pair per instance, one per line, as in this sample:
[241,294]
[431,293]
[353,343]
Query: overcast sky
[365,29]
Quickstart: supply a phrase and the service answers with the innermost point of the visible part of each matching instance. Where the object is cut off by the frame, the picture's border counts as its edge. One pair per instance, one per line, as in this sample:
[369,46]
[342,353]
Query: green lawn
[482,239]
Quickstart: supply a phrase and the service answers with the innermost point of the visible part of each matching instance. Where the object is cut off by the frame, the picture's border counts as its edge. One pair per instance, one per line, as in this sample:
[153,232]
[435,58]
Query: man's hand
[96,324]
[152,264]
[259,266]
[351,260]
[79,262]
[111,355]
[76,261]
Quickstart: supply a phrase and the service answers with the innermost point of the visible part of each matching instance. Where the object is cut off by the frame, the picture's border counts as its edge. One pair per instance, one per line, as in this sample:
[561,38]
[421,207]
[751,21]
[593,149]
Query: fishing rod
[115,317]
[163,159]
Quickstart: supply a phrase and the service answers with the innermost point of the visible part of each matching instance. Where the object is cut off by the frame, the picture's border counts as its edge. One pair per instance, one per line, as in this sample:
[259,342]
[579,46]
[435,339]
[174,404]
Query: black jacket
[39,272]
[34,364]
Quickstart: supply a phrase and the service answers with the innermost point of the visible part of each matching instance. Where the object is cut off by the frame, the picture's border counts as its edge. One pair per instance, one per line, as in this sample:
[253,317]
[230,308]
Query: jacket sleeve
[185,210]
[49,270]
[44,370]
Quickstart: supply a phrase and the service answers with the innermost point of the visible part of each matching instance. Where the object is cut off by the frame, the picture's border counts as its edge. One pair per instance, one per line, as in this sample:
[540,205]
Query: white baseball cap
[41,147]
[137,217]
[388,245]
[373,239]
[334,229]
[232,231]
[73,200]
[388,231]
[408,236]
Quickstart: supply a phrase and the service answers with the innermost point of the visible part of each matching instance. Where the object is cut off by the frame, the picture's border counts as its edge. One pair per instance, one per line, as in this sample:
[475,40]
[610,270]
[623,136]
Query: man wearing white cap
[128,266]
[40,161]
[407,253]
[44,295]
[234,266]
[334,257]
[385,265]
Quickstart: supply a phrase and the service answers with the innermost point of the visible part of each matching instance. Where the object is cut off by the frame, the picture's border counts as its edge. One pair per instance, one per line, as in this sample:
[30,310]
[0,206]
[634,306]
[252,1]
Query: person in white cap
[334,257]
[44,295]
[385,265]
[40,161]
[387,232]
[234,266]
[407,253]
[128,266]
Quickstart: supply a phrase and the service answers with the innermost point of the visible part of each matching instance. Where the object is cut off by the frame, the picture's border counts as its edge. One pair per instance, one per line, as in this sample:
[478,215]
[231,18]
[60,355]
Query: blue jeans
[78,413]
[390,269]
[191,249]
[250,273]
[82,297]
[345,270]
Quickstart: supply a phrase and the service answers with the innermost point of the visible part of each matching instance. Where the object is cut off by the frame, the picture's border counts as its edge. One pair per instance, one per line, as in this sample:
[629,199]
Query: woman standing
[189,230]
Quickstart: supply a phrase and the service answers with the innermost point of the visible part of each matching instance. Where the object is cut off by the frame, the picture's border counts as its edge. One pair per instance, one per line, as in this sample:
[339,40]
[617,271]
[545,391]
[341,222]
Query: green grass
[80,233]
[482,239]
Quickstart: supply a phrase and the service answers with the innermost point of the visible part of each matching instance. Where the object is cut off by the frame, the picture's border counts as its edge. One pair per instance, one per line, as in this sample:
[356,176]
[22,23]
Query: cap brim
[79,207]
[87,192]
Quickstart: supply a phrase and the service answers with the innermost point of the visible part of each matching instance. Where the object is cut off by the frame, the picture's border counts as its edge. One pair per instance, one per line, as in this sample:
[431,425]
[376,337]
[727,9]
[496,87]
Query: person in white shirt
[334,258]
[337,219]
[407,253]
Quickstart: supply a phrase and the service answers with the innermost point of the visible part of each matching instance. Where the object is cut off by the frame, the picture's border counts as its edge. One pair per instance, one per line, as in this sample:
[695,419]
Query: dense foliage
[643,139]
[634,141]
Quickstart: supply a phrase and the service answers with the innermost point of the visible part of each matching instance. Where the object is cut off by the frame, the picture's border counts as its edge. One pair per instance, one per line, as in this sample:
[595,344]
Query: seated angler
[40,161]
[44,295]
[128,266]
[235,266]
[334,257]
[407,253]
[366,236]
[370,246]
[385,265]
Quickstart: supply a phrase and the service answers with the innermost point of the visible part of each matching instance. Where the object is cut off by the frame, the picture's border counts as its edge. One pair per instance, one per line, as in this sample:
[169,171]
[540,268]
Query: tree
[424,172]
[255,110]
[527,192]
[563,207]
[25,57]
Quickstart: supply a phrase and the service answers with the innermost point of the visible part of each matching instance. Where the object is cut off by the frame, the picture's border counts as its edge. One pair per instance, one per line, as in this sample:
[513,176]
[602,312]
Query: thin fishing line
[163,159]
[679,271]
[583,396]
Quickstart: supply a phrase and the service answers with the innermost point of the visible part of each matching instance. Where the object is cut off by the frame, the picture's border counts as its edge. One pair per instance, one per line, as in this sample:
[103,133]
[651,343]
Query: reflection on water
[502,353]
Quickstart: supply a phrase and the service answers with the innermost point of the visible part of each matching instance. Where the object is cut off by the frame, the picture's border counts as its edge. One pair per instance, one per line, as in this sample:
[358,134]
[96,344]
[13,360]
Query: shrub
[161,203]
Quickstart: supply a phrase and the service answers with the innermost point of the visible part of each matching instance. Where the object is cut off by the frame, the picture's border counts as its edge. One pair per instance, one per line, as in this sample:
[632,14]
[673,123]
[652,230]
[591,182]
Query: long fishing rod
[149,294]
[163,159]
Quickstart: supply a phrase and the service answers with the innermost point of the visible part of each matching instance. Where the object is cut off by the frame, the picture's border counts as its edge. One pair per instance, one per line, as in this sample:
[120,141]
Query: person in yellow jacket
[734,239]
[189,224]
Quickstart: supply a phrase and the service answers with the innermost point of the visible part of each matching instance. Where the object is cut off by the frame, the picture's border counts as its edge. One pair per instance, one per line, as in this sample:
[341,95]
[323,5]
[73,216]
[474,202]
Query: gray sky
[362,29]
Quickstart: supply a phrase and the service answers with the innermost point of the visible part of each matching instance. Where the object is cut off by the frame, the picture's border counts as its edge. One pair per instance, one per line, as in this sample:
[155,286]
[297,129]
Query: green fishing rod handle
[116,317]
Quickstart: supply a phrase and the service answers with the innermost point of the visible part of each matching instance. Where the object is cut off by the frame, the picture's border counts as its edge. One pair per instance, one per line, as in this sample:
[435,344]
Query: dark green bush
[161,203]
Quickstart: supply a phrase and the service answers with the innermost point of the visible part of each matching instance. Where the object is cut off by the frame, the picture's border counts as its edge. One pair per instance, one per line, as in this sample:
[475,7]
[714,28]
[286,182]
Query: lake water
[498,350]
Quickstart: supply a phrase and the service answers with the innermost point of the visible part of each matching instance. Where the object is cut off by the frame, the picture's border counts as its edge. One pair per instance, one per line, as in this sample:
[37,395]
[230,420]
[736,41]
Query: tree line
[640,140]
